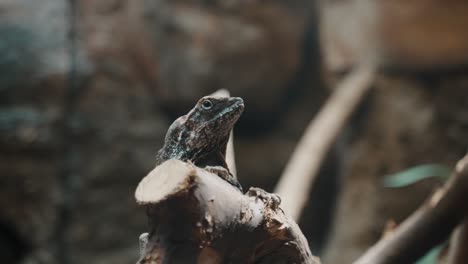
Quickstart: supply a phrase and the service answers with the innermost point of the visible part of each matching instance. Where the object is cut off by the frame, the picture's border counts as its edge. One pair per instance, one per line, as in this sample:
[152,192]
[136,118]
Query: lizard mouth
[237,103]
[233,110]
[236,109]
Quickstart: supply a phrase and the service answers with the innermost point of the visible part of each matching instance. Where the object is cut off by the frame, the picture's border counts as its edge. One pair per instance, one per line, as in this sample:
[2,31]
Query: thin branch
[301,170]
[230,156]
[429,226]
[458,253]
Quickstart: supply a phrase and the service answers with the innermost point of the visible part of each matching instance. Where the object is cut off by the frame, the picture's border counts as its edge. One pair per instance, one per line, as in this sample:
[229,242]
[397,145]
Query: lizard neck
[213,156]
[170,151]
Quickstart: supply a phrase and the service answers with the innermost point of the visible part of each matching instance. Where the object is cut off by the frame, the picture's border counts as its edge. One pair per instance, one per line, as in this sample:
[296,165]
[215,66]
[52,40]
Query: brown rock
[251,48]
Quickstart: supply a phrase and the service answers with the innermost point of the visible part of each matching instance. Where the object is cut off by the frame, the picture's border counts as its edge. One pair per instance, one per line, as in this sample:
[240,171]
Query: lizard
[201,136]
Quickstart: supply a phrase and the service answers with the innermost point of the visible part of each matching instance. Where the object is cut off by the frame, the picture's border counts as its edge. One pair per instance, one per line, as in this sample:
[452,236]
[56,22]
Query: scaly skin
[201,136]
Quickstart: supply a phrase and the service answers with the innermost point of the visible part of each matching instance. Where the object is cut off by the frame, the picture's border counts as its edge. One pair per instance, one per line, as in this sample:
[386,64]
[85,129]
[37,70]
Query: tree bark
[196,217]
[458,244]
[429,226]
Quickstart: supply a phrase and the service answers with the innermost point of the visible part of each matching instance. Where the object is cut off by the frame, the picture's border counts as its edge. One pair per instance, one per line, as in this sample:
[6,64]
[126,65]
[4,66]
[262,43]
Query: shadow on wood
[196,217]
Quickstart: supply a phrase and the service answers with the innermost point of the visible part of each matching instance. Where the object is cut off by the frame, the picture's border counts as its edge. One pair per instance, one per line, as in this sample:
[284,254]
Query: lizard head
[213,118]
[207,126]
[216,113]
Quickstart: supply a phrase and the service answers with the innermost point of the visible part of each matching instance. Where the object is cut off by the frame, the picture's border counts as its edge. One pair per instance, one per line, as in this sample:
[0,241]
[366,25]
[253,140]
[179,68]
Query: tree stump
[196,217]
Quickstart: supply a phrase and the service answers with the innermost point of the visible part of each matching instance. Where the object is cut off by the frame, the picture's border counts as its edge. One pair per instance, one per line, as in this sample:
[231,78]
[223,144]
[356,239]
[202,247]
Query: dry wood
[458,253]
[301,170]
[196,217]
[429,226]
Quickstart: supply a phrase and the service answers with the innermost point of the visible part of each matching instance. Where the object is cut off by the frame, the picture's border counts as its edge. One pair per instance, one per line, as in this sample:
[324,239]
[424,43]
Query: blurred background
[89,88]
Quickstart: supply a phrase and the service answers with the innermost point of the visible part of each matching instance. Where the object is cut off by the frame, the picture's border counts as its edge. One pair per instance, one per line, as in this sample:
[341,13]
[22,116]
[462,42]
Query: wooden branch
[230,156]
[298,177]
[459,244]
[429,226]
[196,217]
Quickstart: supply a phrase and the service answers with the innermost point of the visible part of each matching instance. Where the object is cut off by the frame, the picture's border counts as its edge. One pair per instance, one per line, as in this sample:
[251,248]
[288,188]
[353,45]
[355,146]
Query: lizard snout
[237,102]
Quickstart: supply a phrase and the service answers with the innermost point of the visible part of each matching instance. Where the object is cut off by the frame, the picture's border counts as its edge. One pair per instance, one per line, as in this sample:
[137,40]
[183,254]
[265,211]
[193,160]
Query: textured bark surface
[195,217]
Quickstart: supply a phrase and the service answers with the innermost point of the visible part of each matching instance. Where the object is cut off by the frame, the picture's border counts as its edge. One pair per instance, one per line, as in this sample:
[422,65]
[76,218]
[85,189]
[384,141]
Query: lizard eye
[207,104]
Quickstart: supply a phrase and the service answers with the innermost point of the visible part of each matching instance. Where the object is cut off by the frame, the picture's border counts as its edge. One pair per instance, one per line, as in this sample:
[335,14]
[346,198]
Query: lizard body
[201,136]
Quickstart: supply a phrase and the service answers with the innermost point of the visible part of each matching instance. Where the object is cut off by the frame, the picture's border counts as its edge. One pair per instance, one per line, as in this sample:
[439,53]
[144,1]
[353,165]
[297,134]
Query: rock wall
[88,89]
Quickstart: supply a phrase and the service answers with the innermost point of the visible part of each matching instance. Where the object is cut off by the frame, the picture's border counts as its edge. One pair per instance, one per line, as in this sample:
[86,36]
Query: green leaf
[432,256]
[416,174]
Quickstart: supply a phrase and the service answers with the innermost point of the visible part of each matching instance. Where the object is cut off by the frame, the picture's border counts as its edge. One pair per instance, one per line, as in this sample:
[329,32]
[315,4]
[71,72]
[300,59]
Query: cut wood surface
[196,217]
